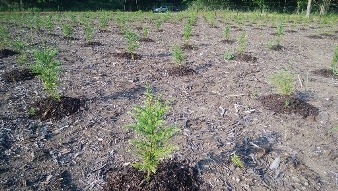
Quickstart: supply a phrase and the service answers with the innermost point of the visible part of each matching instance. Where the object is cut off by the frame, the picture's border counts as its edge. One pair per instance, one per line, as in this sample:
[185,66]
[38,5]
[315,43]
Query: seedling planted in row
[152,137]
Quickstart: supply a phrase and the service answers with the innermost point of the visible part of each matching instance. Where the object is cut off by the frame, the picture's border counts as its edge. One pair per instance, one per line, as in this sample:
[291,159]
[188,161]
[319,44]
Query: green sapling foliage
[178,55]
[237,160]
[242,41]
[152,142]
[48,70]
[187,31]
[132,42]
[67,30]
[283,80]
[158,24]
[334,65]
[226,32]
[89,31]
[145,31]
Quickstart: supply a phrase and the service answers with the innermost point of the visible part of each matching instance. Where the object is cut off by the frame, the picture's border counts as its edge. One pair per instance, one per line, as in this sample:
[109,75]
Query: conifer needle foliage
[152,136]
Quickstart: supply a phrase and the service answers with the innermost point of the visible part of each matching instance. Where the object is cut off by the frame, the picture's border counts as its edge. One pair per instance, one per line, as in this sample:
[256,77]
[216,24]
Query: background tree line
[289,6]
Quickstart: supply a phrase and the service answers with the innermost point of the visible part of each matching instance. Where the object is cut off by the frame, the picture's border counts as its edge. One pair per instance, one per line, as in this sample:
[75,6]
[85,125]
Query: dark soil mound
[325,73]
[170,176]
[291,31]
[245,58]
[70,38]
[227,41]
[288,104]
[92,44]
[4,53]
[315,37]
[18,75]
[277,47]
[50,108]
[146,40]
[189,47]
[127,55]
[181,71]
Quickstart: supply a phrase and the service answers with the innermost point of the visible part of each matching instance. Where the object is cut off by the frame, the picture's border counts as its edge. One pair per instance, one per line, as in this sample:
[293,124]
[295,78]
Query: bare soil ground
[217,107]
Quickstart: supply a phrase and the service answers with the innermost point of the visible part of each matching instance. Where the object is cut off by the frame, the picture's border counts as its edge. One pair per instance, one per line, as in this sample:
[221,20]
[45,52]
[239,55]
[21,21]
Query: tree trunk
[308,9]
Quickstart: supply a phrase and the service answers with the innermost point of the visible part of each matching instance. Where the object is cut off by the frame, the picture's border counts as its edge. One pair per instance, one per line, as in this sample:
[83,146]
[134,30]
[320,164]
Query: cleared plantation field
[222,98]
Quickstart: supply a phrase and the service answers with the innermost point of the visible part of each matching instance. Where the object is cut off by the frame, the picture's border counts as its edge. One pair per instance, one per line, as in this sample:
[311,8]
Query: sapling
[178,55]
[158,24]
[187,32]
[283,80]
[226,32]
[67,30]
[4,37]
[47,68]
[151,143]
[104,22]
[132,42]
[49,24]
[334,65]
[145,31]
[89,31]
[242,40]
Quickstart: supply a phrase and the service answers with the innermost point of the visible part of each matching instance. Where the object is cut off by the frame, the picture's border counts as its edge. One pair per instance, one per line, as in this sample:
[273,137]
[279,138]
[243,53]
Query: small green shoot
[229,56]
[237,160]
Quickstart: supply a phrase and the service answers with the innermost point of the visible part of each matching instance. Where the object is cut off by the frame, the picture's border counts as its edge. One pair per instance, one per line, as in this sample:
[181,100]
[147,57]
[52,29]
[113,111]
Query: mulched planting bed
[146,40]
[72,144]
[17,75]
[325,73]
[227,41]
[245,57]
[127,55]
[288,104]
[50,108]
[170,176]
[92,44]
[189,47]
[181,71]
[6,53]
[277,47]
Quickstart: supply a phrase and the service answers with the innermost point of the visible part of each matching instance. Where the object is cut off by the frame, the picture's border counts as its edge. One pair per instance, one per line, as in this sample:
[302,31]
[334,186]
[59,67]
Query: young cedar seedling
[158,24]
[89,31]
[104,22]
[49,24]
[151,144]
[242,41]
[283,80]
[226,32]
[187,31]
[132,42]
[48,70]
[67,30]
[178,55]
[334,65]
